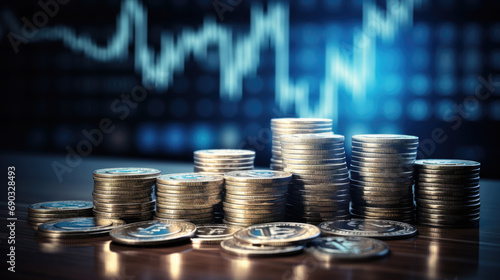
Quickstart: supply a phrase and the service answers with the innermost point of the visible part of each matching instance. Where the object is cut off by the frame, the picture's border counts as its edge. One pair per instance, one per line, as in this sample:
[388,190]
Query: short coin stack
[285,126]
[124,193]
[382,176]
[270,239]
[256,196]
[221,161]
[192,197]
[319,190]
[43,212]
[82,227]
[447,192]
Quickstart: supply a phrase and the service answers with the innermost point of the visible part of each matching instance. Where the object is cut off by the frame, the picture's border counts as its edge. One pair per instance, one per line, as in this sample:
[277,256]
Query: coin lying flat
[153,232]
[127,172]
[242,249]
[213,233]
[381,229]
[347,248]
[78,227]
[278,234]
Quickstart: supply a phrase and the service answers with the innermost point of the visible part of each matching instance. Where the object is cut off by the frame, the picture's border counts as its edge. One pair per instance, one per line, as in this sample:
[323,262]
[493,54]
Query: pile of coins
[270,239]
[192,197]
[447,192]
[285,126]
[256,196]
[221,161]
[124,193]
[44,212]
[82,227]
[319,190]
[382,176]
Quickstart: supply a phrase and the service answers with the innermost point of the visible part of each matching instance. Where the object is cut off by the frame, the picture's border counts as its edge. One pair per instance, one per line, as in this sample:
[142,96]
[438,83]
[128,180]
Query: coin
[347,248]
[239,248]
[213,233]
[278,234]
[77,227]
[127,172]
[381,229]
[153,232]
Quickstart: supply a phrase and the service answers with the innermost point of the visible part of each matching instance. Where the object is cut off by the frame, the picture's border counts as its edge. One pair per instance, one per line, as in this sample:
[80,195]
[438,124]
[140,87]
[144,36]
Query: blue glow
[446,33]
[230,136]
[446,60]
[307,59]
[392,84]
[389,129]
[418,110]
[420,59]
[446,85]
[174,138]
[469,84]
[239,57]
[392,109]
[421,33]
[253,108]
[179,107]
[310,34]
[202,137]
[205,108]
[147,138]
[444,109]
[252,129]
[473,109]
[333,4]
[420,84]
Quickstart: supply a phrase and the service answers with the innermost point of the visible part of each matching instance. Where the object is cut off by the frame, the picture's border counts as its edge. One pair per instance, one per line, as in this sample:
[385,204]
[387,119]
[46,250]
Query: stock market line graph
[239,55]
[381,66]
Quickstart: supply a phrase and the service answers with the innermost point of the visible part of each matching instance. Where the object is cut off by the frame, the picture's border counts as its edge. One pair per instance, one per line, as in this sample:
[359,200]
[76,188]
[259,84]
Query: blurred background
[160,79]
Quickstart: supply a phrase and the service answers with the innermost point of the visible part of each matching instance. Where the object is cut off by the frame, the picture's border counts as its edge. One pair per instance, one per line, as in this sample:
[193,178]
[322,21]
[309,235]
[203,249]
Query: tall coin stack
[319,190]
[382,176]
[254,197]
[285,126]
[124,193]
[447,192]
[221,161]
[191,197]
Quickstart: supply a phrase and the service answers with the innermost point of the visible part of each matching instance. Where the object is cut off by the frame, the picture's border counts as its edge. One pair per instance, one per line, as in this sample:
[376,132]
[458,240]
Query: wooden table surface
[434,253]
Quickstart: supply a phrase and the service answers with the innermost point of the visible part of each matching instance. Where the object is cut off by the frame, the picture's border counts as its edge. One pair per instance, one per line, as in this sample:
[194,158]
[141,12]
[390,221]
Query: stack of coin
[319,190]
[447,192]
[82,227]
[285,126]
[270,239]
[192,197]
[124,193]
[256,196]
[43,212]
[221,161]
[382,176]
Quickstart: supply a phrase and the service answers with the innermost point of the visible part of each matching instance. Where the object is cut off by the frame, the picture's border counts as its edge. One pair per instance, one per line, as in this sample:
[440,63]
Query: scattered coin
[213,233]
[278,234]
[381,229]
[347,248]
[154,232]
[81,227]
[242,249]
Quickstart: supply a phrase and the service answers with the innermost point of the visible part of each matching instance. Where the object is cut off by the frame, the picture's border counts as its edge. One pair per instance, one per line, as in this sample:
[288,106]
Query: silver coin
[224,153]
[385,138]
[213,233]
[451,164]
[278,234]
[236,247]
[79,225]
[66,206]
[127,172]
[153,232]
[381,229]
[347,248]
[258,176]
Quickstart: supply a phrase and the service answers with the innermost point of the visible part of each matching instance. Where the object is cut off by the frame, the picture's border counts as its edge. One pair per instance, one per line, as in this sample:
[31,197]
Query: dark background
[51,91]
